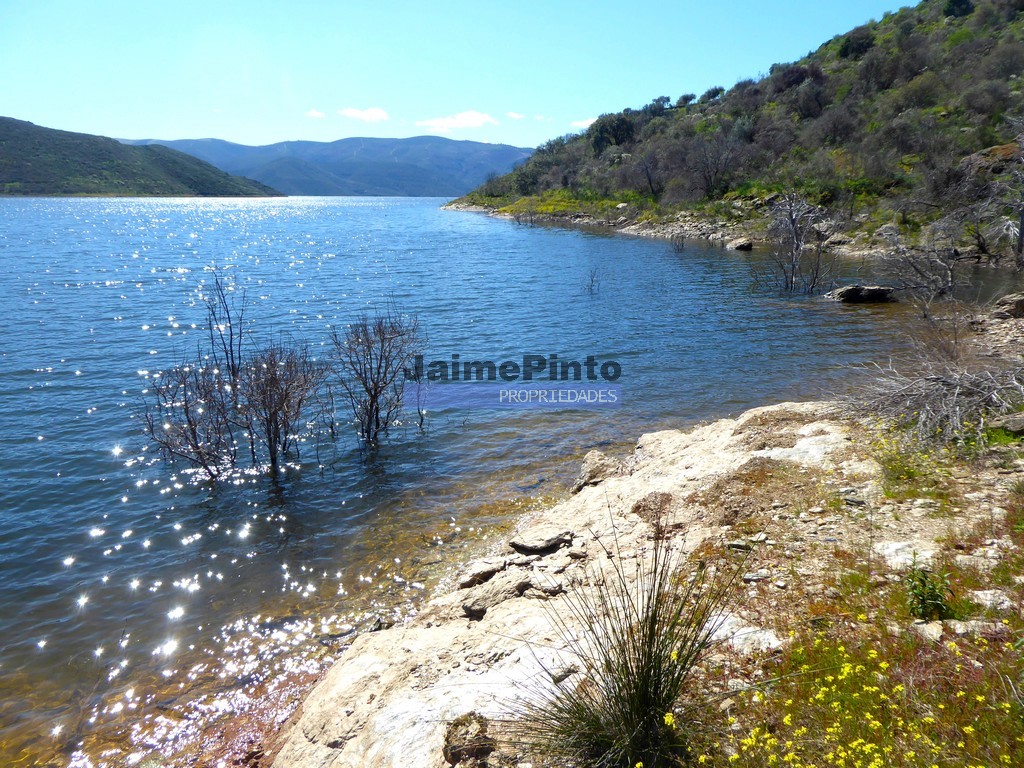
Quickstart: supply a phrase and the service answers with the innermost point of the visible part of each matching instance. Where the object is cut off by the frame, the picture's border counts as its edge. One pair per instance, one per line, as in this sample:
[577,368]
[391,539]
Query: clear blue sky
[262,71]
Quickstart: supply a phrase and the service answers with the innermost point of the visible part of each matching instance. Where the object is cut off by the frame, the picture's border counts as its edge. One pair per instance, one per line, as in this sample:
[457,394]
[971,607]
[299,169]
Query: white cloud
[583,123]
[515,115]
[316,114]
[371,115]
[468,119]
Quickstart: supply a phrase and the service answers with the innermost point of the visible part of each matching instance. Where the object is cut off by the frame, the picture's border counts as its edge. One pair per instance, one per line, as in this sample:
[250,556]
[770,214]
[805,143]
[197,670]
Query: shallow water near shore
[147,616]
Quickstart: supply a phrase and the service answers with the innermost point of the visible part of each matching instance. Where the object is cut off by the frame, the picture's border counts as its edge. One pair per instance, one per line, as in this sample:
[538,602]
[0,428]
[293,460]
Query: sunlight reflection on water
[146,612]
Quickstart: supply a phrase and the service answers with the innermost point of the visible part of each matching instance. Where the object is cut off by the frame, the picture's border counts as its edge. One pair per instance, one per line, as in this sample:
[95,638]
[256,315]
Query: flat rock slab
[994,599]
[982,564]
[541,538]
[509,584]
[899,555]
[931,630]
[744,638]
[481,571]
[977,628]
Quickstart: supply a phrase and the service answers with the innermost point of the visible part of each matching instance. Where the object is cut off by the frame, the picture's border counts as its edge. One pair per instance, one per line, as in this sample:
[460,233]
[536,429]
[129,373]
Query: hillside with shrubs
[906,119]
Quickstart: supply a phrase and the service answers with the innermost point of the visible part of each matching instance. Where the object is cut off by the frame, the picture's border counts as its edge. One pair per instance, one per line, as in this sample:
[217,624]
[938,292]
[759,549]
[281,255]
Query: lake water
[145,616]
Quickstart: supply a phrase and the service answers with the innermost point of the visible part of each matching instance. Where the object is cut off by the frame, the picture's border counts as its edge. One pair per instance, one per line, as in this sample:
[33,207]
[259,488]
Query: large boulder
[596,467]
[863,294]
[541,539]
[1012,423]
[1009,306]
[740,244]
[481,571]
[993,160]
[888,233]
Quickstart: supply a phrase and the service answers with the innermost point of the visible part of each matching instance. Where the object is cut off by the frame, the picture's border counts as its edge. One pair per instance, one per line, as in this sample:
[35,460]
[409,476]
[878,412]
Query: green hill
[43,161]
[876,123]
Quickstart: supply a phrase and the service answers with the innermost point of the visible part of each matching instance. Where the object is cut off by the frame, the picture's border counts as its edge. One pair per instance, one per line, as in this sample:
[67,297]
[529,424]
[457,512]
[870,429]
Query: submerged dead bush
[637,636]
[373,355]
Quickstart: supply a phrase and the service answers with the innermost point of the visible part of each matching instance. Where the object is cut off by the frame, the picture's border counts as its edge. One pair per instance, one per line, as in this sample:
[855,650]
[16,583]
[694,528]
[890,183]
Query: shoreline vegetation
[873,614]
[902,134]
[734,231]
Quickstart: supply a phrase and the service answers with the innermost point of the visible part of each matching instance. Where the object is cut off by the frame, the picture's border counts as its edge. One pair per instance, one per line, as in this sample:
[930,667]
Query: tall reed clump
[637,637]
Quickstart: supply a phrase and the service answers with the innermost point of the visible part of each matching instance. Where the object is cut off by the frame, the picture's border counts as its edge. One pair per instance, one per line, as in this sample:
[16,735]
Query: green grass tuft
[644,634]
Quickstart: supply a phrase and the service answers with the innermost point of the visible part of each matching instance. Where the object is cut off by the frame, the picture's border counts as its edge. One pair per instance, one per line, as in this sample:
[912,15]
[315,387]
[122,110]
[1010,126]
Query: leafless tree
[202,410]
[372,356]
[929,271]
[946,403]
[986,230]
[944,390]
[1005,209]
[277,385]
[189,417]
[711,159]
[226,325]
[1013,193]
[799,231]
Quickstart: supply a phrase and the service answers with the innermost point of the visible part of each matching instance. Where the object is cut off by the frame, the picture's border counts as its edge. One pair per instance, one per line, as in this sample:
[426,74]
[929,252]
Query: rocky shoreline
[800,473]
[791,487]
[389,698]
[682,227]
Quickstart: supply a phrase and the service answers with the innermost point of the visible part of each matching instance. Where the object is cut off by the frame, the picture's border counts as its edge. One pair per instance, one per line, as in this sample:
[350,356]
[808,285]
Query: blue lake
[141,610]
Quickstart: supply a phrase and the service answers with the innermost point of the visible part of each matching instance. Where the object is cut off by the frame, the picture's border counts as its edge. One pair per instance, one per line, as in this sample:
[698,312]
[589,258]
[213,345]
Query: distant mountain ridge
[423,166]
[44,161]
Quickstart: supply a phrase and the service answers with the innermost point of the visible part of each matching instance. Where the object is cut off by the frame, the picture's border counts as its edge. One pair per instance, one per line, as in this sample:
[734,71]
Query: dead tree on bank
[1015,225]
[932,270]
